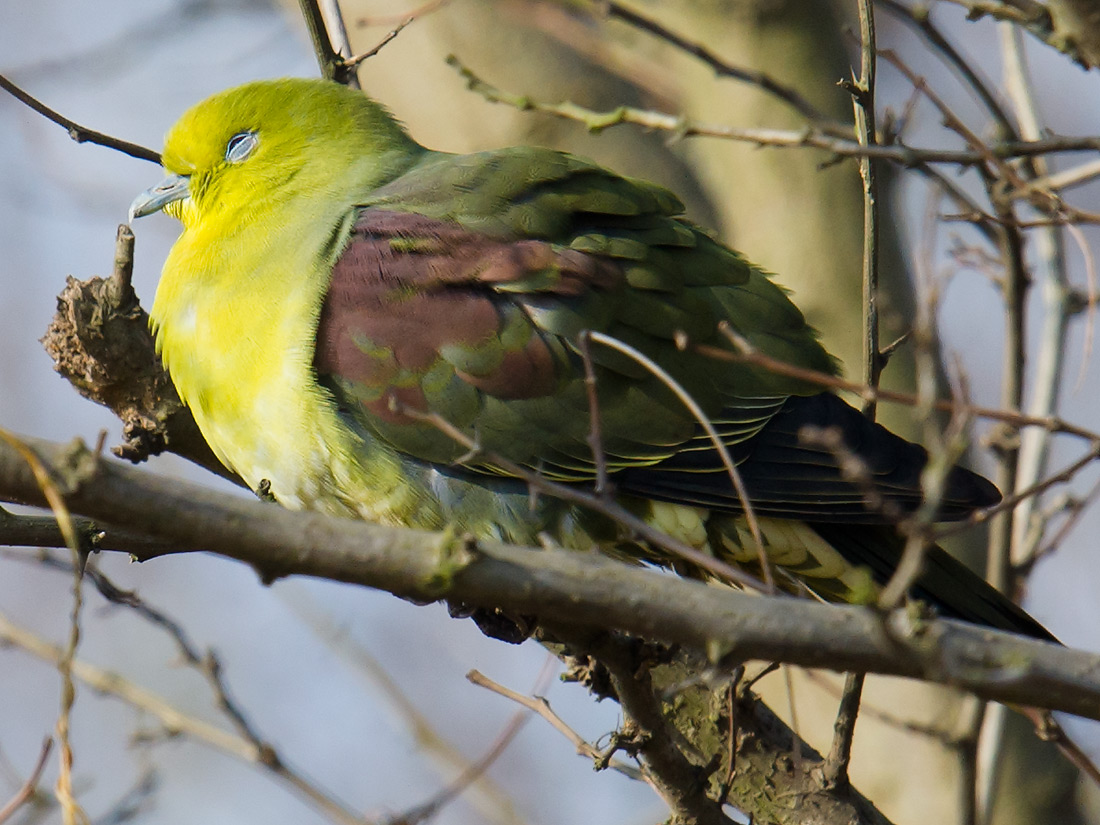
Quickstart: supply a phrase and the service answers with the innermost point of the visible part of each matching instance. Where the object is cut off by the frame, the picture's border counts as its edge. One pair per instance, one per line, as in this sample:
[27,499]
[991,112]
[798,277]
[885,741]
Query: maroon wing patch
[411,294]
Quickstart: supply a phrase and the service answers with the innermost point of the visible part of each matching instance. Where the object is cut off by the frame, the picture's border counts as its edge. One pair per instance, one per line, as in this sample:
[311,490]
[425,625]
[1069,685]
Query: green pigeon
[335,282]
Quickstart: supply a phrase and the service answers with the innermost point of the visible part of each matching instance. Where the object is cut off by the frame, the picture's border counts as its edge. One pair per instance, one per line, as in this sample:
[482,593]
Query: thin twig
[595,431]
[539,705]
[612,510]
[835,769]
[863,102]
[1092,296]
[747,354]
[27,791]
[792,710]
[381,44]
[77,132]
[809,137]
[703,419]
[732,708]
[473,772]
[176,722]
[1063,179]
[1024,567]
[723,68]
[72,813]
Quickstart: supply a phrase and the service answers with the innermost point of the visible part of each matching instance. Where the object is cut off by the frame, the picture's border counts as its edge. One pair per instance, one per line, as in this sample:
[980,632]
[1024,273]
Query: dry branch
[566,587]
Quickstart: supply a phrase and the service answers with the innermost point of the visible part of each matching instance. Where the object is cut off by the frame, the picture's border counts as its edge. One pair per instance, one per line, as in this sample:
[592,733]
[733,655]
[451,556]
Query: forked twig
[542,707]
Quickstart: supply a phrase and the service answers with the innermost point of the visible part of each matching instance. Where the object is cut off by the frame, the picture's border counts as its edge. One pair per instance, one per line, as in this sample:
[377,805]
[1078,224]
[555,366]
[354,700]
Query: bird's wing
[466,284]
[817,459]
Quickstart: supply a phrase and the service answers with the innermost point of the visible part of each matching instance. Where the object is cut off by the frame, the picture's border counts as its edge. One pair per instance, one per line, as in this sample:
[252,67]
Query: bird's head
[275,138]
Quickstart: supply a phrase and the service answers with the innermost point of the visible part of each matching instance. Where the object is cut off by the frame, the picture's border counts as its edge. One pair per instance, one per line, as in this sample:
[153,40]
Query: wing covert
[465,284]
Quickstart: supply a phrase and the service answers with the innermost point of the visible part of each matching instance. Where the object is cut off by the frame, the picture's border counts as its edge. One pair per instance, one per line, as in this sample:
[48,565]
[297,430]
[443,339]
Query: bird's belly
[264,415]
[304,455]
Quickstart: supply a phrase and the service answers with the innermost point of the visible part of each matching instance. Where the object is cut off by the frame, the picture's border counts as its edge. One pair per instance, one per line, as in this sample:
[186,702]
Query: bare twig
[809,137]
[721,67]
[1076,510]
[750,355]
[427,810]
[27,791]
[72,813]
[863,102]
[595,431]
[541,706]
[177,722]
[77,132]
[835,769]
[381,44]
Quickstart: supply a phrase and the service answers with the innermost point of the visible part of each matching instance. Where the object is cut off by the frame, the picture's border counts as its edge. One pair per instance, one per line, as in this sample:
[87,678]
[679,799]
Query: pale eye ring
[240,146]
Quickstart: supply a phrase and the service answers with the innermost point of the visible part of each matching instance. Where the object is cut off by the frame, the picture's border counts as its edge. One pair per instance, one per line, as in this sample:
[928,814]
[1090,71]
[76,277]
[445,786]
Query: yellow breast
[236,317]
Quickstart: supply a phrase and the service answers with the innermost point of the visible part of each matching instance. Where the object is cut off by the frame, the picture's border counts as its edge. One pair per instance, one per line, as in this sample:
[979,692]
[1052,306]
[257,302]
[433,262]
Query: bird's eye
[240,146]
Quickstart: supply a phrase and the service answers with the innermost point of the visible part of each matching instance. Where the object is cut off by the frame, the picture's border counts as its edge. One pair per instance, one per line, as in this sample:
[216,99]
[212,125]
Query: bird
[339,290]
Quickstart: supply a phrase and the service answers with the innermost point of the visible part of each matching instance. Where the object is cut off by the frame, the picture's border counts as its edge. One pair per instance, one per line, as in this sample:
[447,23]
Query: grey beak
[172,188]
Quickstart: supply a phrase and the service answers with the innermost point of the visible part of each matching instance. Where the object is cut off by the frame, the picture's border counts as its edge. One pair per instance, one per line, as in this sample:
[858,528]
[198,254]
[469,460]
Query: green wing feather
[460,286]
[495,264]
[464,289]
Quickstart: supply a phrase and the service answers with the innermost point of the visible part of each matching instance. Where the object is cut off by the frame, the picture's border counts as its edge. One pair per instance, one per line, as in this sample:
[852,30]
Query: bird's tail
[945,583]
[850,562]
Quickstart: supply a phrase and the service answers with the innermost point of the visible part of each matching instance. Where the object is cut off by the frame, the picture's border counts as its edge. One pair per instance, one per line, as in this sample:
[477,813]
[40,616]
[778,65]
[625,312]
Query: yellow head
[273,139]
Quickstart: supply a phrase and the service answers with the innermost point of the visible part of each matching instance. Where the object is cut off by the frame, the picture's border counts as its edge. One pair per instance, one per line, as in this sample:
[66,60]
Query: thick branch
[566,587]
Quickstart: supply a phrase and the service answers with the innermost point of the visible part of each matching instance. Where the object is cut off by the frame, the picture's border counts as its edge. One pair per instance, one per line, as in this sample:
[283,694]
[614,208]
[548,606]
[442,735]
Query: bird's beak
[172,188]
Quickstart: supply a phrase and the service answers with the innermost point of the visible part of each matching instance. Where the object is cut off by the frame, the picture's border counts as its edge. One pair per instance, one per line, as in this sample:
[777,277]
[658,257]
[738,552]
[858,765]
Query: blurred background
[304,658]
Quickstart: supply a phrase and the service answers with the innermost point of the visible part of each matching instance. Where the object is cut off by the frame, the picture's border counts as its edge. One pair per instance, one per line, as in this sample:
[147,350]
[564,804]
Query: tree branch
[80,134]
[562,586]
